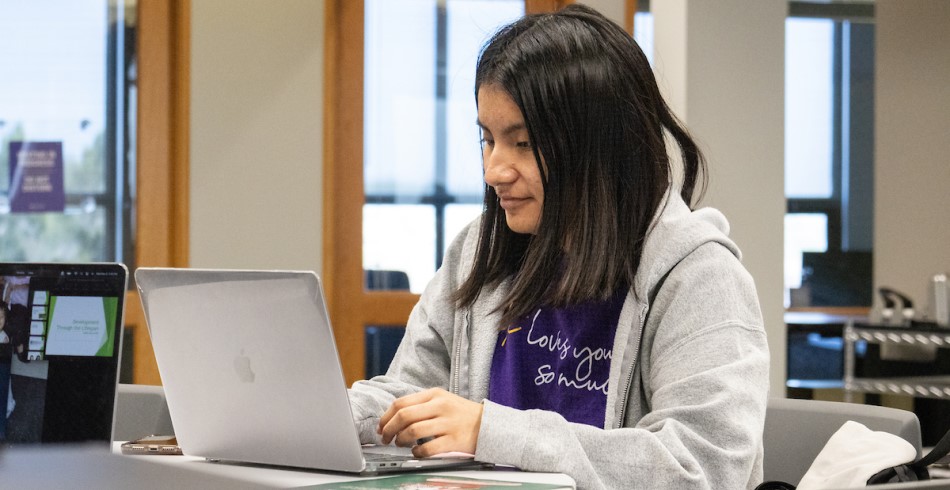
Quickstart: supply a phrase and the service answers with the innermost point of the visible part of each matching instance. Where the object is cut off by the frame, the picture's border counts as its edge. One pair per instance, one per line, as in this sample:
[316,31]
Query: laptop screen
[60,340]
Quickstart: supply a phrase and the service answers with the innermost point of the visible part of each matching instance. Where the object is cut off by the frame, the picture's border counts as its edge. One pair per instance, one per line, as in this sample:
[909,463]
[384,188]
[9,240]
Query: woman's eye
[524,144]
[488,142]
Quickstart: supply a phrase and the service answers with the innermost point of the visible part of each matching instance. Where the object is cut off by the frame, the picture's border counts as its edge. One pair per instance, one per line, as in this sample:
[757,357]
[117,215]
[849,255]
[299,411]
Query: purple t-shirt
[558,360]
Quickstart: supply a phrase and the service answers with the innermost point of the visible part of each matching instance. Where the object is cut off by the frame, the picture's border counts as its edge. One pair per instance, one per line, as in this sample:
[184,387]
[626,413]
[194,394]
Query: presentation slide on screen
[80,326]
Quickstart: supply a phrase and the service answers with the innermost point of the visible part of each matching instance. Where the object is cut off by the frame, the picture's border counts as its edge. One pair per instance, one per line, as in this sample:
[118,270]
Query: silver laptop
[251,371]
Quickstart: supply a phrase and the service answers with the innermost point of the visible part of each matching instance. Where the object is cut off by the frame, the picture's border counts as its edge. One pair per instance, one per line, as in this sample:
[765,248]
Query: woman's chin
[523,227]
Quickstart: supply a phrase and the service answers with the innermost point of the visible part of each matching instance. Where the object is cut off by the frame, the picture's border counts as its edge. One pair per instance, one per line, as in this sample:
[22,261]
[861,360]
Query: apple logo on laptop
[242,366]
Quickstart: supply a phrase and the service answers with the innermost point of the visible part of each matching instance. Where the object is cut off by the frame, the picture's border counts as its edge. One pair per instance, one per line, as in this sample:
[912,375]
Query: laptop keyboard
[383,458]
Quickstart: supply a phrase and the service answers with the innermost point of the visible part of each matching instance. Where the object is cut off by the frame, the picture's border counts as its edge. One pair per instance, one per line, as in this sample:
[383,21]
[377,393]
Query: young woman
[590,322]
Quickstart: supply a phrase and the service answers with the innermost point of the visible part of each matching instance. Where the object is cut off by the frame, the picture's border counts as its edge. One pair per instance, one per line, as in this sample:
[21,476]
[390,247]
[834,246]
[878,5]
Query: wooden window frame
[161,234]
[351,306]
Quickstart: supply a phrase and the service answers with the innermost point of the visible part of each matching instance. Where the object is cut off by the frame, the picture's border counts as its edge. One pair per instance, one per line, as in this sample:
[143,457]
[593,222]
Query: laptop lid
[250,367]
[60,347]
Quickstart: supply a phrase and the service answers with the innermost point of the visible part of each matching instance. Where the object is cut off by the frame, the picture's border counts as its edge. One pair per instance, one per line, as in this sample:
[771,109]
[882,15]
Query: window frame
[833,207]
[830,206]
[113,200]
[158,234]
[162,149]
[351,306]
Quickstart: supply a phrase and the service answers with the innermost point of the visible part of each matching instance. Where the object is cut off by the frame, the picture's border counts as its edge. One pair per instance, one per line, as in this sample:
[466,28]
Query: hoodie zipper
[458,352]
[633,365]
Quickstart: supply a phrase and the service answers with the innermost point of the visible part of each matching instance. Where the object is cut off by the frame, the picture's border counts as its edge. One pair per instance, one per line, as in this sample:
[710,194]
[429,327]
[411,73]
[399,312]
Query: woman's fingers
[448,421]
[438,445]
[424,429]
[404,412]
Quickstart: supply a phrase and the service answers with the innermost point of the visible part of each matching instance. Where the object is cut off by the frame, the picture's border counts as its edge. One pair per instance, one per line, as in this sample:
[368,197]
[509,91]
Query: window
[422,161]
[421,156]
[643,28]
[829,96]
[74,87]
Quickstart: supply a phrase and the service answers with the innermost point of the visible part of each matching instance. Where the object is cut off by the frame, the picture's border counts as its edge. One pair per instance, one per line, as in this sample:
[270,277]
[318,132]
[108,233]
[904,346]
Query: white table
[94,466]
[282,477]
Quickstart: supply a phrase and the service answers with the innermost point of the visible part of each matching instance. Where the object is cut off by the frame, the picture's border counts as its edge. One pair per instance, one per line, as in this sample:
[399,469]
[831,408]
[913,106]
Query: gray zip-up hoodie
[688,377]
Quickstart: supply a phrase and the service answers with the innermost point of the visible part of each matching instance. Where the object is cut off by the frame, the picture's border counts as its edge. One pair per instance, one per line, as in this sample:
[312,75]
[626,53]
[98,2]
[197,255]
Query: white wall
[721,67]
[912,144]
[256,133]
[612,9]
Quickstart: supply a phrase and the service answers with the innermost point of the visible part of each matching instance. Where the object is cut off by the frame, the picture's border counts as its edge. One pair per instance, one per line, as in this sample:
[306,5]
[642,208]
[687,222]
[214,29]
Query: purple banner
[36,177]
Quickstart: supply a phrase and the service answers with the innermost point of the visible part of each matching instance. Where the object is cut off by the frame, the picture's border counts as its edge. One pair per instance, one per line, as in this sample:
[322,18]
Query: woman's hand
[449,422]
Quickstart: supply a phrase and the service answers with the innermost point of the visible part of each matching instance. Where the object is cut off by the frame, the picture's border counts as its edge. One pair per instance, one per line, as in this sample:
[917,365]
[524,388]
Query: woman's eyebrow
[507,130]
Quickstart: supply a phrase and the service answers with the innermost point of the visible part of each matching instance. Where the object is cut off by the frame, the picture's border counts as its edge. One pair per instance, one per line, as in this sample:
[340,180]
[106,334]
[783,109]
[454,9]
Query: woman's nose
[498,171]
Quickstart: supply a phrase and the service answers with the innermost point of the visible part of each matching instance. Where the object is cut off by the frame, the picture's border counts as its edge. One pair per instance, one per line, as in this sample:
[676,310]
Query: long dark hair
[593,111]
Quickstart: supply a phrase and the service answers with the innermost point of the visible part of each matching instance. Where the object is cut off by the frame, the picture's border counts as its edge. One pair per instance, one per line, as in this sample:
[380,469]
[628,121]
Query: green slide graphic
[109,305]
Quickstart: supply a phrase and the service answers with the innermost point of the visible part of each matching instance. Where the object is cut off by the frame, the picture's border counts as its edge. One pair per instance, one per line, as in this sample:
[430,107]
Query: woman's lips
[508,203]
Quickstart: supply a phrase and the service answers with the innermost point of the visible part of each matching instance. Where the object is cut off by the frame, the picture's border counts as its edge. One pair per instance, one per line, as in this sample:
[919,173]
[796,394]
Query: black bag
[915,471]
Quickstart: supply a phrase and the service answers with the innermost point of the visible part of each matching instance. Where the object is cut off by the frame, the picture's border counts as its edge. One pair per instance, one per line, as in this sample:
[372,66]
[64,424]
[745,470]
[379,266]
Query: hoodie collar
[676,232]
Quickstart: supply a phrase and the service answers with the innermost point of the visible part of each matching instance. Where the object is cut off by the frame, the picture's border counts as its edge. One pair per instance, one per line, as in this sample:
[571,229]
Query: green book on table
[438,482]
